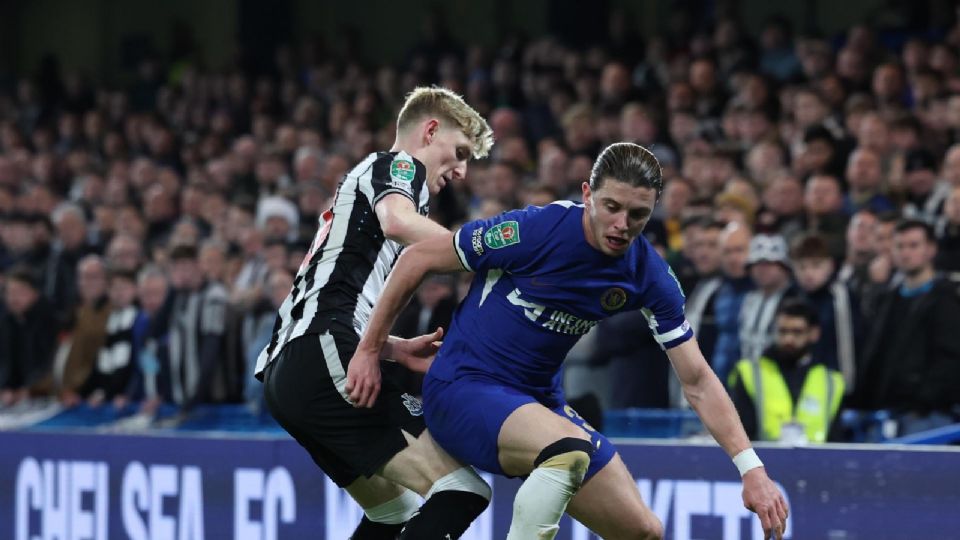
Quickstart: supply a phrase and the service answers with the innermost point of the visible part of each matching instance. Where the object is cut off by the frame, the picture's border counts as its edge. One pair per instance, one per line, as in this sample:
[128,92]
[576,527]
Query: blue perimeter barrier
[860,426]
[233,486]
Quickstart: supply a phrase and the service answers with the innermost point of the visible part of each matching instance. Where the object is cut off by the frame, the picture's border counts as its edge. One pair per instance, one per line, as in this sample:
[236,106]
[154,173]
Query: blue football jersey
[539,286]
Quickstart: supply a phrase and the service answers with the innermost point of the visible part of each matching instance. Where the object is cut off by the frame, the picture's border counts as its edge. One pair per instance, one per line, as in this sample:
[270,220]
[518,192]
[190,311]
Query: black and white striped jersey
[348,262]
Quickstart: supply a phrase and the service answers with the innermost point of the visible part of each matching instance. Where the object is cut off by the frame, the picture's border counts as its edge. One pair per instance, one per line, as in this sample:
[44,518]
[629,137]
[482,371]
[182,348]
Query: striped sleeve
[399,173]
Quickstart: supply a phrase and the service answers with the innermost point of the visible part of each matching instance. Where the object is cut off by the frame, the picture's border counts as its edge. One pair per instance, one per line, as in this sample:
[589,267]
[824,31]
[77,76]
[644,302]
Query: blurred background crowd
[150,228]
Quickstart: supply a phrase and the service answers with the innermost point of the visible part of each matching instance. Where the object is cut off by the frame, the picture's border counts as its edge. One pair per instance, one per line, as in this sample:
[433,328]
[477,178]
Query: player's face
[616,214]
[445,157]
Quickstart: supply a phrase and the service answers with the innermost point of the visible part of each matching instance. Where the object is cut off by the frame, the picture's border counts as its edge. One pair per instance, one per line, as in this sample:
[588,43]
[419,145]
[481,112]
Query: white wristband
[747,460]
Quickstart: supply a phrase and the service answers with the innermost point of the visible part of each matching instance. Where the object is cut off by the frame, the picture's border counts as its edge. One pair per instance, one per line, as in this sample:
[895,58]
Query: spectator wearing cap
[734,251]
[864,177]
[278,218]
[769,266]
[911,359]
[837,310]
[27,325]
[923,200]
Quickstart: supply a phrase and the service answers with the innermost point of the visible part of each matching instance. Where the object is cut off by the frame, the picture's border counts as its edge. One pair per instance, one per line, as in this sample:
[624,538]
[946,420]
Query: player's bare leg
[455,494]
[556,454]
[610,505]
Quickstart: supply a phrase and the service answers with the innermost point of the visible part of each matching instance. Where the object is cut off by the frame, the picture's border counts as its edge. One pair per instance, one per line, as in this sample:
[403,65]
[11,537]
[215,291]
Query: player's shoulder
[553,211]
[547,217]
[399,166]
[646,260]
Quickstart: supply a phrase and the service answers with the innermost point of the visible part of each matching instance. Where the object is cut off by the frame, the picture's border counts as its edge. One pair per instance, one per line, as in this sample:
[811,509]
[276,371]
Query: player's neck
[588,231]
[405,144]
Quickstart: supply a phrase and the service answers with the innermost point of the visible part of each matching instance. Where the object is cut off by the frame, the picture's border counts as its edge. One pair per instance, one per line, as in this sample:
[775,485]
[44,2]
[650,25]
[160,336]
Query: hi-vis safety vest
[817,405]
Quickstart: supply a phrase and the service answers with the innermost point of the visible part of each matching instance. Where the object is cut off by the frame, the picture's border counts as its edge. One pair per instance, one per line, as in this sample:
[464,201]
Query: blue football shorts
[465,416]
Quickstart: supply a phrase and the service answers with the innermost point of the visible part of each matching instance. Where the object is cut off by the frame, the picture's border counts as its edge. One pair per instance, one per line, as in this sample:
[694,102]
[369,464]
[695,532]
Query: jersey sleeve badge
[502,235]
[402,170]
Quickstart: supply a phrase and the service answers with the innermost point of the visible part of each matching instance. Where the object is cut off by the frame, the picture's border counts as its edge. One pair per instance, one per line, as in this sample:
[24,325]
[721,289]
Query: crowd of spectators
[148,232]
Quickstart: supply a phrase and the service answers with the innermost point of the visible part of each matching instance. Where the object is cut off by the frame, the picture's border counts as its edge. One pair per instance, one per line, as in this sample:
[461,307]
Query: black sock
[369,530]
[447,514]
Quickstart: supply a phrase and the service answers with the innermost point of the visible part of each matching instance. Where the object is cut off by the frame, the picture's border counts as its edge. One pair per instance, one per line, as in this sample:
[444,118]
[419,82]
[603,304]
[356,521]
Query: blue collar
[907,292]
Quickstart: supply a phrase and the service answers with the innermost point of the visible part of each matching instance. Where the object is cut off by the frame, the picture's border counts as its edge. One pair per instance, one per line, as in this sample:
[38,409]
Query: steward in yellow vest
[786,386]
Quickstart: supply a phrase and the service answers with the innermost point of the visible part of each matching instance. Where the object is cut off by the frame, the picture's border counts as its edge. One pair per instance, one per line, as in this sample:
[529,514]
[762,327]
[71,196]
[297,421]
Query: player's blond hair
[436,101]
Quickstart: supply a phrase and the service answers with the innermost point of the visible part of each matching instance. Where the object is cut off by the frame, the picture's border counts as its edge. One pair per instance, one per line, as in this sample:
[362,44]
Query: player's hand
[416,354]
[363,378]
[761,496]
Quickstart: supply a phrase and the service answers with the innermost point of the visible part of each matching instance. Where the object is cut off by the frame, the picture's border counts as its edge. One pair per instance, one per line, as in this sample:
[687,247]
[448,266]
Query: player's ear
[430,129]
[585,188]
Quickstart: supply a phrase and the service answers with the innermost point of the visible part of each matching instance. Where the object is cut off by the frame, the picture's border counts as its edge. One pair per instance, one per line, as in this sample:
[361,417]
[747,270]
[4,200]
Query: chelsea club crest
[613,299]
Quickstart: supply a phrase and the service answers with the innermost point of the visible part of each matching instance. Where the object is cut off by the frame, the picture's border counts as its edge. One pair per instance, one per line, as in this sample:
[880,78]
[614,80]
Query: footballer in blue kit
[539,286]
[544,277]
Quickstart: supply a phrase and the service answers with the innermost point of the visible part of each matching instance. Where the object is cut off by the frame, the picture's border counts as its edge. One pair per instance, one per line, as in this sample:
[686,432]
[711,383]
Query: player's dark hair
[627,162]
[910,224]
[795,307]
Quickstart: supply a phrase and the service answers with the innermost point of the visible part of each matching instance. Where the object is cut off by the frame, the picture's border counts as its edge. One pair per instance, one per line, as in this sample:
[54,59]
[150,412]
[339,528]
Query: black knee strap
[568,444]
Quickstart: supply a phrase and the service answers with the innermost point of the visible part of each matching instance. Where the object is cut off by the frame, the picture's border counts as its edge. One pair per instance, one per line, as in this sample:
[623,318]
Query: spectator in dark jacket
[69,247]
[26,347]
[911,360]
[836,308]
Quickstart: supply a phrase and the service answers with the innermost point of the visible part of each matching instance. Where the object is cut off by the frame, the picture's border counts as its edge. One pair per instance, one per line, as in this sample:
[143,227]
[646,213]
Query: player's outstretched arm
[401,222]
[435,254]
[708,397]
